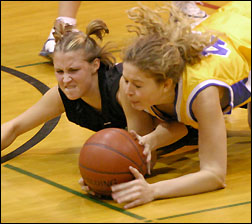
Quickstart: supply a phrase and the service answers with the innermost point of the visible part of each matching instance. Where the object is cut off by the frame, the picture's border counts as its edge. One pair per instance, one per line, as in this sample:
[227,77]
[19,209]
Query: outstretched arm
[212,151]
[47,108]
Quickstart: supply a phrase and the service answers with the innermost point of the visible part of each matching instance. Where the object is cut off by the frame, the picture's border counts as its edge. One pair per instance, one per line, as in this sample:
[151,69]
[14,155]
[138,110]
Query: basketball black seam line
[114,150]
[103,171]
[132,144]
[143,162]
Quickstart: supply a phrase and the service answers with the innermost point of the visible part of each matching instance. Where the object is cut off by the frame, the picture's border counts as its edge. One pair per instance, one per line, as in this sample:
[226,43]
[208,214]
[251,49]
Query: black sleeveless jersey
[111,115]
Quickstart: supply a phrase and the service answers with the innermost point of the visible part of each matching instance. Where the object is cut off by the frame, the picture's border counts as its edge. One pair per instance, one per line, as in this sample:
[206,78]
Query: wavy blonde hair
[164,47]
[67,39]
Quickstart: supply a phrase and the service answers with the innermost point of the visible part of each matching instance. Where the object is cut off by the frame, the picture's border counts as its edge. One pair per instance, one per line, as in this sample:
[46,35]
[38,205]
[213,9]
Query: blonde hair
[163,48]
[67,39]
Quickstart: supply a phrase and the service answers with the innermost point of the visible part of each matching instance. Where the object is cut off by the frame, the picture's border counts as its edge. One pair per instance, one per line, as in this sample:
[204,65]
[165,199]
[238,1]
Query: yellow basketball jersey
[227,63]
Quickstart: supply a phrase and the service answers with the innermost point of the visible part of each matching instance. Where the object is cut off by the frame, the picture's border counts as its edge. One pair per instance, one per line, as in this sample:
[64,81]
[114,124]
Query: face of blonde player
[142,90]
[76,77]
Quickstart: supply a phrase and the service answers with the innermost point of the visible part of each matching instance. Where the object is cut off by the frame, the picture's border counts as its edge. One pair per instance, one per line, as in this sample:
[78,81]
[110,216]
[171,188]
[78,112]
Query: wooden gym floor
[39,171]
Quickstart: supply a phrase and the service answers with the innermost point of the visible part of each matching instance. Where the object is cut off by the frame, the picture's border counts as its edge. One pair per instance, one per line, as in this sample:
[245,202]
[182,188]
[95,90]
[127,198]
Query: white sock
[69,20]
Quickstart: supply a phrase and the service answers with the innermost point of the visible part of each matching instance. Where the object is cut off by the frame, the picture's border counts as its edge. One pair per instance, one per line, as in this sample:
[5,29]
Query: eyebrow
[133,80]
[73,68]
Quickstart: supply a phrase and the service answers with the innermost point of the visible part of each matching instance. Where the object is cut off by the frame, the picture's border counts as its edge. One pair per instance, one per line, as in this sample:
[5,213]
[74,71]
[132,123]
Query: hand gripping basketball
[84,187]
[105,159]
[147,149]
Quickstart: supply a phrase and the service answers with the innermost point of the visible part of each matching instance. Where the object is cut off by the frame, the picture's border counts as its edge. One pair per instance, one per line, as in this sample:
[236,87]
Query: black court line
[69,190]
[46,128]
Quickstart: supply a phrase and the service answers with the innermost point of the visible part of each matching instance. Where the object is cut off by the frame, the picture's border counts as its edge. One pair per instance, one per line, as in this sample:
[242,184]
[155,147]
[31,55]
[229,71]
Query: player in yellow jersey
[228,66]
[191,76]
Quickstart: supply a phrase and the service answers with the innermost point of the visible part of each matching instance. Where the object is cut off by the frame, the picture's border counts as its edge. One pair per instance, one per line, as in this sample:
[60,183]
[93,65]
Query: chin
[137,106]
[72,97]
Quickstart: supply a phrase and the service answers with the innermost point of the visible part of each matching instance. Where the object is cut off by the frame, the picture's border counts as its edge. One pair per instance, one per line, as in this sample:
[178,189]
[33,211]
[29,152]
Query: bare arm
[212,151]
[47,108]
[165,134]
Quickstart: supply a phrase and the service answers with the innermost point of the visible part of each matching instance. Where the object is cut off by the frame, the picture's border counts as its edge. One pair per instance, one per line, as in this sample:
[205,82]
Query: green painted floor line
[50,62]
[39,63]
[125,212]
[205,210]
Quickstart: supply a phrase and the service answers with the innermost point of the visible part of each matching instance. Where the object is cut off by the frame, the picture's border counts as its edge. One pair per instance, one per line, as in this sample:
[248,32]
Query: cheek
[146,93]
[58,78]
[82,78]
[150,96]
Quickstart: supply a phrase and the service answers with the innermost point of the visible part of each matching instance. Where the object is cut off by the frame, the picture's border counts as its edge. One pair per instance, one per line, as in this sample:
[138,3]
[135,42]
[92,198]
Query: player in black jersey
[88,82]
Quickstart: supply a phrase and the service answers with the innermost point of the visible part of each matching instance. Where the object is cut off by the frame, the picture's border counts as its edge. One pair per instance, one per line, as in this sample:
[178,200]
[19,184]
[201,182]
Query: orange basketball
[105,159]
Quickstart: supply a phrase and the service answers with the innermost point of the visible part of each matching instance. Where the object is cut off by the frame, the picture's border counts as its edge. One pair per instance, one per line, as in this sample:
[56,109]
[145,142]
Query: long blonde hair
[164,47]
[67,39]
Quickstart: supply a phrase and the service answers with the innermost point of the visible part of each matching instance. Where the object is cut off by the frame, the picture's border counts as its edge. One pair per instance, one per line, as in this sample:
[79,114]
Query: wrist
[155,191]
[150,139]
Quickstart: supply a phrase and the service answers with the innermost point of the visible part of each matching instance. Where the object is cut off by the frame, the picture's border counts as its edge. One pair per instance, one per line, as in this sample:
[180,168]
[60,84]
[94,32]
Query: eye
[73,70]
[59,71]
[125,80]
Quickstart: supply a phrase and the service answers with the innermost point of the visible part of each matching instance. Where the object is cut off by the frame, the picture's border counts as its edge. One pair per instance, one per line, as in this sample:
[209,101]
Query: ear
[95,65]
[168,84]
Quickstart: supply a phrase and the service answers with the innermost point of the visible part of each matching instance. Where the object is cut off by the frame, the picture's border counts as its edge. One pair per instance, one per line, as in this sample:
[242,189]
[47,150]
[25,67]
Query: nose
[129,90]
[67,78]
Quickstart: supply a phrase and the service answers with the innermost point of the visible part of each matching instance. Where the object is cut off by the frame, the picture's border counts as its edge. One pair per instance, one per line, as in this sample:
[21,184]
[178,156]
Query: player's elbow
[218,177]
[221,180]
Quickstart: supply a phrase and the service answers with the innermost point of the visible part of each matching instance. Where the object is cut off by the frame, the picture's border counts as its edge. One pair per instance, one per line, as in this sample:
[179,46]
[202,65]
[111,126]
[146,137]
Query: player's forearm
[166,134]
[8,134]
[194,183]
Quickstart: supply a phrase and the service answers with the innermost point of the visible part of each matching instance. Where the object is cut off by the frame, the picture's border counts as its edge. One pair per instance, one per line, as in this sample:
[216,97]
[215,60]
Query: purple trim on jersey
[241,93]
[159,115]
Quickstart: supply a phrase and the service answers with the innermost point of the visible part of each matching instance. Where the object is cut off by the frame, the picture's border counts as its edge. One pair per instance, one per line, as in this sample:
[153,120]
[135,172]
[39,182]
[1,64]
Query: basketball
[105,159]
